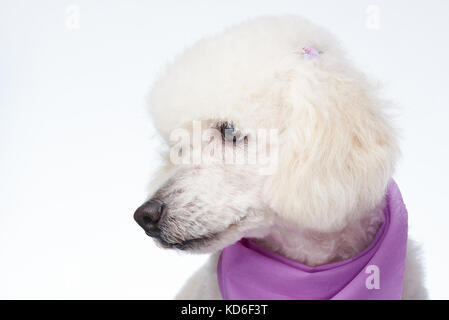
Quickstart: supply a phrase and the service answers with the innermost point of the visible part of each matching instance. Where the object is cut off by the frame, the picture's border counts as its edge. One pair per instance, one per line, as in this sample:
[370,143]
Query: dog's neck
[314,248]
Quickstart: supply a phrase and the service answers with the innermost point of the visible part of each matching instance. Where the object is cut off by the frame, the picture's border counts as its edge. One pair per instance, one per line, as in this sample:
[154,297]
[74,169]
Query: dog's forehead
[239,74]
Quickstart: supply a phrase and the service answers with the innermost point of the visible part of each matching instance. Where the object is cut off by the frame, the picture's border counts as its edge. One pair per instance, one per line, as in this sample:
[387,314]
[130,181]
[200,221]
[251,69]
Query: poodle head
[267,124]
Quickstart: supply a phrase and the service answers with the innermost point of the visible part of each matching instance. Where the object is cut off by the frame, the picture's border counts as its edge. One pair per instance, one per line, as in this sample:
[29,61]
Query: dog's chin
[207,244]
[194,245]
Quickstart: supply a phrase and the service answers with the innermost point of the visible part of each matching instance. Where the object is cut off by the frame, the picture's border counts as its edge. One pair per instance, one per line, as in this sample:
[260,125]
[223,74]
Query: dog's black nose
[148,215]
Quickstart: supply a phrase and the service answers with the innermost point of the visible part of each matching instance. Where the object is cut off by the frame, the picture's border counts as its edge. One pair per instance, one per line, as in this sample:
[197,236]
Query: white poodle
[275,138]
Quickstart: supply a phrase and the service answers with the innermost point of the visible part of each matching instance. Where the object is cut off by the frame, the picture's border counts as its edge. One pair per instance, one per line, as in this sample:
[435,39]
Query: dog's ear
[337,155]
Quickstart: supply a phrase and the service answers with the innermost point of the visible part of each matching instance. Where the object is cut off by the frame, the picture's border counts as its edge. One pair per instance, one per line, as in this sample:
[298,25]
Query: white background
[77,148]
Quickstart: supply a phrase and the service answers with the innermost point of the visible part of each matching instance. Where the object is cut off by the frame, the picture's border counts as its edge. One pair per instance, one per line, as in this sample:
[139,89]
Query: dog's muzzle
[148,215]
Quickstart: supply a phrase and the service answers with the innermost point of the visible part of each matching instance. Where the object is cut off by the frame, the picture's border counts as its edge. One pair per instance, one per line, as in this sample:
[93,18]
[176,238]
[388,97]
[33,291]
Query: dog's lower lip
[188,243]
[153,233]
[183,245]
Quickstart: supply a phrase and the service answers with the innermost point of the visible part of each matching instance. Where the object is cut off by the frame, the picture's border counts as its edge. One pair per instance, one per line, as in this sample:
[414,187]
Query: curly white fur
[337,148]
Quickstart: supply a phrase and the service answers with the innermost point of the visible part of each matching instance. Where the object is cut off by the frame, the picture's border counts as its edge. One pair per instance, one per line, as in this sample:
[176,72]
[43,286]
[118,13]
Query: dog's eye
[230,133]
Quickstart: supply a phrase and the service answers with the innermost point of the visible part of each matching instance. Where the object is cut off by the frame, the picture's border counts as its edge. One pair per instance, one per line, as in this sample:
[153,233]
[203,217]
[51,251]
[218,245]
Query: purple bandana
[247,271]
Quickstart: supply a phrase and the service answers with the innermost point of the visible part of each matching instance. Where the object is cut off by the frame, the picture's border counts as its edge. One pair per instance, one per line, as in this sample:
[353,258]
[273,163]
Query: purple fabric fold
[247,271]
